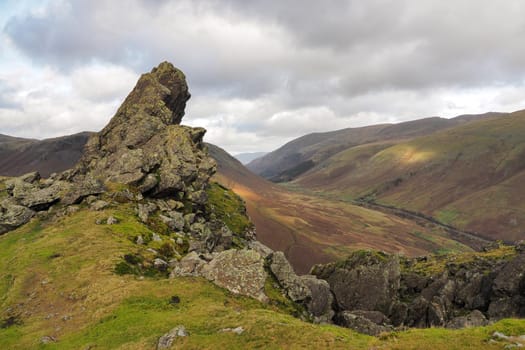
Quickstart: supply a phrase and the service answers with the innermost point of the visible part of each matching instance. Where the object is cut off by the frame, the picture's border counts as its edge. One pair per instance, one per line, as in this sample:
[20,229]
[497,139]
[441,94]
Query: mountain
[246,158]
[137,247]
[19,156]
[300,155]
[468,176]
[314,229]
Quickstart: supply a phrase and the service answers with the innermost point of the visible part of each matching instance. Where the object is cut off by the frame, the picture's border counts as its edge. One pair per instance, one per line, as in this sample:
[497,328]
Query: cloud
[263,72]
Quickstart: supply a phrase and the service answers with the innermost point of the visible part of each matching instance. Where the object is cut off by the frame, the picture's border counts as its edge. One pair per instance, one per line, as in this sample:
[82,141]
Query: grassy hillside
[468,176]
[312,229]
[57,280]
[302,154]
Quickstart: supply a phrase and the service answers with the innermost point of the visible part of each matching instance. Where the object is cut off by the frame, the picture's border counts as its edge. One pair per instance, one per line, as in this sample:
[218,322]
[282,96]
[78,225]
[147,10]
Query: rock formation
[375,292]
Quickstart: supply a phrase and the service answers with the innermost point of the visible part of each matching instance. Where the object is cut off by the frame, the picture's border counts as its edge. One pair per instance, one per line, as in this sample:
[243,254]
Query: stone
[359,323]
[260,248]
[139,240]
[366,280]
[156,238]
[320,303]
[166,341]
[99,205]
[47,339]
[112,220]
[239,271]
[190,265]
[145,210]
[295,288]
[160,264]
[237,330]
[13,215]
[149,182]
[473,319]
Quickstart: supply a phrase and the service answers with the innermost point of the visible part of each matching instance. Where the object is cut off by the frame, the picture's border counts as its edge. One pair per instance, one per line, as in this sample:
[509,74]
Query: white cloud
[261,72]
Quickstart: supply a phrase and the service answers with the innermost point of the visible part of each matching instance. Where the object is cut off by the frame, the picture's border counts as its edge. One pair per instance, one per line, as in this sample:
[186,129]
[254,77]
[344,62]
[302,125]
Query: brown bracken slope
[311,229]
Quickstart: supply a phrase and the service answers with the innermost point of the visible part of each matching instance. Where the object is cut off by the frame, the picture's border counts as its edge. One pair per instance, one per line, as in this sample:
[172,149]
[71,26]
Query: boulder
[190,265]
[166,341]
[13,215]
[366,280]
[359,323]
[239,271]
[473,319]
[295,288]
[320,303]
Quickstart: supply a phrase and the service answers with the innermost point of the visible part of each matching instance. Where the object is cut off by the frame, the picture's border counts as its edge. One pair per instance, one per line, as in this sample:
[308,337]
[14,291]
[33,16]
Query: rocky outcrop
[313,293]
[13,215]
[376,291]
[144,145]
[364,281]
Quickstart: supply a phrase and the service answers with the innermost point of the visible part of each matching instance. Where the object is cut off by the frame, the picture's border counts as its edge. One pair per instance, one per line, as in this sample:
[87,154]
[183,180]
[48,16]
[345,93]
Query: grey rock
[139,240]
[473,319]
[99,205]
[320,303]
[260,248]
[359,323]
[13,215]
[239,271]
[364,281]
[145,210]
[160,264]
[156,238]
[295,288]
[112,220]
[190,265]
[166,341]
[149,182]
[47,339]
[237,330]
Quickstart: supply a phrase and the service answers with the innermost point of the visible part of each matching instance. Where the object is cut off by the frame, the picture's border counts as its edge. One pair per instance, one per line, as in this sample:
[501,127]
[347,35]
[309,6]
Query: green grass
[51,271]
[447,216]
[229,208]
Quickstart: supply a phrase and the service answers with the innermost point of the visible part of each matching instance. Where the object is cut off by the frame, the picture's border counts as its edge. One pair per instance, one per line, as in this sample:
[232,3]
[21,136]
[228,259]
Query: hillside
[300,155]
[136,247]
[468,176]
[19,156]
[62,290]
[313,229]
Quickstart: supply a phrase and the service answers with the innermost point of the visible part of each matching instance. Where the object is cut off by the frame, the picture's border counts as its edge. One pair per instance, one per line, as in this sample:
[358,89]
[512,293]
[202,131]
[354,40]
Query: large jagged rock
[364,281]
[144,146]
[292,284]
[308,290]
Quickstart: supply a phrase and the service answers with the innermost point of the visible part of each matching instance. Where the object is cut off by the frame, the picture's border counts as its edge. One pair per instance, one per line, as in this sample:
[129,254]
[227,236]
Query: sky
[261,73]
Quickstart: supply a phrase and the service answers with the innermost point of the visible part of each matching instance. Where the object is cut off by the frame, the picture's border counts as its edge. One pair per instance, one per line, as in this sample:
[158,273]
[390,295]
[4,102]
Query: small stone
[72,209]
[156,238]
[238,330]
[160,264]
[47,339]
[179,241]
[166,341]
[67,318]
[139,240]
[500,336]
[111,220]
[99,205]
